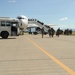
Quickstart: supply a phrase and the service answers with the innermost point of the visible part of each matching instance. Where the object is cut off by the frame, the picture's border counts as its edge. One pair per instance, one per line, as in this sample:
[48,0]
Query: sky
[55,12]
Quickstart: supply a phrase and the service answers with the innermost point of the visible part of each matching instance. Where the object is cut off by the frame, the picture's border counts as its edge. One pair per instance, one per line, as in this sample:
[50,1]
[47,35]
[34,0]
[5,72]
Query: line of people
[51,32]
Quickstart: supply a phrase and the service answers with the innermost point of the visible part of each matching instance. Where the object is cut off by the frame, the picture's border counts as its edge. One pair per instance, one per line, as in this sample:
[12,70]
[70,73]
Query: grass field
[73,33]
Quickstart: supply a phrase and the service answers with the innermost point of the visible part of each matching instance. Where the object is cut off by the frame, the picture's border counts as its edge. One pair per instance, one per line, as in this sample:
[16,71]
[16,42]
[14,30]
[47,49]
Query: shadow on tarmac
[7,38]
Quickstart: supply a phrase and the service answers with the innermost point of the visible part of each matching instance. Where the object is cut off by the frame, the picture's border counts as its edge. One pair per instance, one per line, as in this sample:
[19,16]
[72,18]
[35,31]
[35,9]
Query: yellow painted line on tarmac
[71,72]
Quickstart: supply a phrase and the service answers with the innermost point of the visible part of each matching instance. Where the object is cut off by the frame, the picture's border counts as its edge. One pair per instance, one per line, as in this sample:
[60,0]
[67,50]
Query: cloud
[12,1]
[64,19]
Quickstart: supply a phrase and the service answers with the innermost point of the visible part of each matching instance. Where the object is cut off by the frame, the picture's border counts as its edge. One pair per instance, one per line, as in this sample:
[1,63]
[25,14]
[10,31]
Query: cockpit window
[20,18]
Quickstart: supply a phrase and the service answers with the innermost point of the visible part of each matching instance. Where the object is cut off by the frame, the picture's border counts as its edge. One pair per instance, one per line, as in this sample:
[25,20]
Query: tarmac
[34,55]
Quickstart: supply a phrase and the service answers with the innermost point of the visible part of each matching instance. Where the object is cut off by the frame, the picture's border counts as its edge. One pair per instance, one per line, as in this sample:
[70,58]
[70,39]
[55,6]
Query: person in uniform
[50,32]
[42,31]
[58,32]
